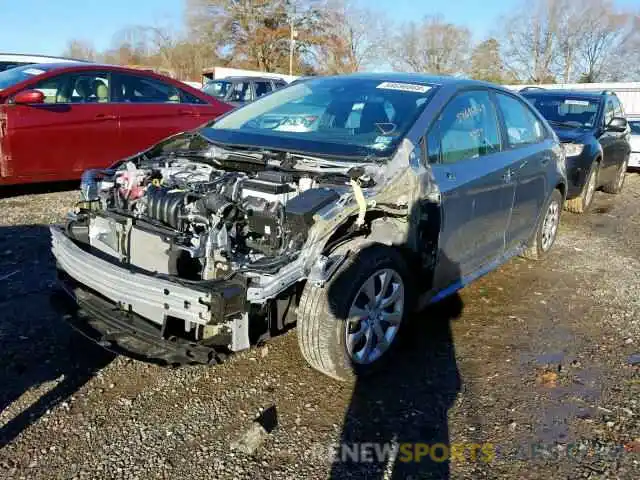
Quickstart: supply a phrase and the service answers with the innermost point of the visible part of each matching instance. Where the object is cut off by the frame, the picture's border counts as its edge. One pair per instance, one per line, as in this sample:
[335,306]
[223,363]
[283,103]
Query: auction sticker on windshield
[582,103]
[404,87]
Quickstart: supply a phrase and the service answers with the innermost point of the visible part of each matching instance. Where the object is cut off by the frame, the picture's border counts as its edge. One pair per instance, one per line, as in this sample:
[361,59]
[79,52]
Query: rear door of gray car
[469,165]
[529,146]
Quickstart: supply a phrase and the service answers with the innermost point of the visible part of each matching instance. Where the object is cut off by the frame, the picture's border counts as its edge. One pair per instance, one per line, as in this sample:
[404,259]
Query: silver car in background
[634,124]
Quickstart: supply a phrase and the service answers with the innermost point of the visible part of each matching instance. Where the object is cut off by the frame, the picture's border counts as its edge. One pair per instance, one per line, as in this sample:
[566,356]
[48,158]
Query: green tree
[486,62]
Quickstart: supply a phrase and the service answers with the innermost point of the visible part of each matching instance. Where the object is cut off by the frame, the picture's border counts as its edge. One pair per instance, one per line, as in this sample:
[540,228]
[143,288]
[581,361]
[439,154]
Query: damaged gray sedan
[341,204]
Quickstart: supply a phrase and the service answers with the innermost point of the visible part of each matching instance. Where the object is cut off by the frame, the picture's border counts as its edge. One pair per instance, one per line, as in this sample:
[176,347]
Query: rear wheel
[547,229]
[350,326]
[581,203]
[615,185]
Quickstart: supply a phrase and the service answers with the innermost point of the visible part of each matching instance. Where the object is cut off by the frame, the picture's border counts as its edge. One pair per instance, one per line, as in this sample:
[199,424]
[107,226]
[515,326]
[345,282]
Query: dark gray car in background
[340,203]
[594,133]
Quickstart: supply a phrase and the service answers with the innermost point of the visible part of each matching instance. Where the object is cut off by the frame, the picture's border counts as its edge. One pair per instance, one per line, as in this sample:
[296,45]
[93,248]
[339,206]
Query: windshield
[218,88]
[567,111]
[16,75]
[635,126]
[329,115]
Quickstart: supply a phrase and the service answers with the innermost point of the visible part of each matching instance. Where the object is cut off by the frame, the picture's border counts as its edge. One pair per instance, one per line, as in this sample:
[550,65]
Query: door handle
[524,164]
[105,116]
[183,111]
[450,176]
[545,160]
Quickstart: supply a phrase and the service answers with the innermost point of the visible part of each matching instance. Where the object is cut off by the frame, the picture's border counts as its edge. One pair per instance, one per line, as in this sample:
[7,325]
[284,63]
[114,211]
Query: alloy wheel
[591,187]
[621,175]
[375,316]
[550,225]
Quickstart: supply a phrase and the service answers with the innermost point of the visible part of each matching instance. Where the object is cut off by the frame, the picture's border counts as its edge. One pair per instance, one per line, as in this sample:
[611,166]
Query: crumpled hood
[567,135]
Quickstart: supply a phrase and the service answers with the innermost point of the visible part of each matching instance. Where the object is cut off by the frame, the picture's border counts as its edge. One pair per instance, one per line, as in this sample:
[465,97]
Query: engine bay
[196,221]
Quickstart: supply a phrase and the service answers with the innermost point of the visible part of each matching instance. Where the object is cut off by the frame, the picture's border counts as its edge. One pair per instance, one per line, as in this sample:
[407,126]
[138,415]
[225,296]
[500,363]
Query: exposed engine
[190,219]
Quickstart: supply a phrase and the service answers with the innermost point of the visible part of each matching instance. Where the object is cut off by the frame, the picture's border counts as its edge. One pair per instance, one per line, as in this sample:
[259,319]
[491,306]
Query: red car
[57,120]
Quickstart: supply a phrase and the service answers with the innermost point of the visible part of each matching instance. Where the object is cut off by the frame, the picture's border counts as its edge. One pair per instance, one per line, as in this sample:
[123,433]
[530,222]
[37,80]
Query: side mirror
[27,97]
[618,124]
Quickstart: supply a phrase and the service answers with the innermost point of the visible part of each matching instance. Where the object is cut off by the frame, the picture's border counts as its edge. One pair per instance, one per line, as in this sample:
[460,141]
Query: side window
[138,89]
[523,127]
[262,88]
[90,88]
[55,89]
[617,107]
[609,111]
[186,97]
[241,92]
[467,128]
[86,87]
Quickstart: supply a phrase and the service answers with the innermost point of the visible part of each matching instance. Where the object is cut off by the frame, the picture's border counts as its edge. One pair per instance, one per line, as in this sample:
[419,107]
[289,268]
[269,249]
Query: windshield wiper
[567,124]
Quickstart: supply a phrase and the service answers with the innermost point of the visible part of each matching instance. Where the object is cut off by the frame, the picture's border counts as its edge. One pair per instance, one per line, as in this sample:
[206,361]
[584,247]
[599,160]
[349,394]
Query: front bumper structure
[128,311]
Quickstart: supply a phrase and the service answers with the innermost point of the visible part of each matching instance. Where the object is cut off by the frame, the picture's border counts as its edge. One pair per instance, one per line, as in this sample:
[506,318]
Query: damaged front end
[186,252]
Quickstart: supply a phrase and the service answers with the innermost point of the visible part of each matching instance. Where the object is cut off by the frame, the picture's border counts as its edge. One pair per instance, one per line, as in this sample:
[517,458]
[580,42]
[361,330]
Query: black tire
[581,203]
[323,311]
[538,248]
[615,186]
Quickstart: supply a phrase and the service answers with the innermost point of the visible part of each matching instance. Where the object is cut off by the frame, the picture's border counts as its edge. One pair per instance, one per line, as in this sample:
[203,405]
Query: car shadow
[37,188]
[397,415]
[43,361]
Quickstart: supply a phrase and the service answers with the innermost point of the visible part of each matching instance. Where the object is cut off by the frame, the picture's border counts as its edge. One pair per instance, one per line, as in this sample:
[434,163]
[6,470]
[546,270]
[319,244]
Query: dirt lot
[537,363]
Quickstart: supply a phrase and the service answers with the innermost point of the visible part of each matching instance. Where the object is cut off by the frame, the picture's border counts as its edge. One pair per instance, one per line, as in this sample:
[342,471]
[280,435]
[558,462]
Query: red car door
[150,110]
[73,130]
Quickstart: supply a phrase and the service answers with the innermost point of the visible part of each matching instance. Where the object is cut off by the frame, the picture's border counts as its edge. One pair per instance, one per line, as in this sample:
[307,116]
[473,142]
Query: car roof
[248,78]
[79,65]
[34,58]
[416,77]
[565,93]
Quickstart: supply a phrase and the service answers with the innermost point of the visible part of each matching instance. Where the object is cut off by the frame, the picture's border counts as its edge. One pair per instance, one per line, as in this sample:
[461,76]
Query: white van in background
[10,60]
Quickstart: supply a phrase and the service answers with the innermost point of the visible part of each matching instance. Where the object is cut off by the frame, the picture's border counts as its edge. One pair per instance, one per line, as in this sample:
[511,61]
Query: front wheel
[547,229]
[581,203]
[350,326]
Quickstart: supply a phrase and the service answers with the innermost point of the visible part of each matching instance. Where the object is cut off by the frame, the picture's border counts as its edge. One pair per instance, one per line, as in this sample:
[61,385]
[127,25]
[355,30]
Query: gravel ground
[538,363]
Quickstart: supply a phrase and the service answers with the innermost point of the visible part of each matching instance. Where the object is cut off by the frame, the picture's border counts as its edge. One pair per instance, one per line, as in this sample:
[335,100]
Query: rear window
[7,65]
[16,75]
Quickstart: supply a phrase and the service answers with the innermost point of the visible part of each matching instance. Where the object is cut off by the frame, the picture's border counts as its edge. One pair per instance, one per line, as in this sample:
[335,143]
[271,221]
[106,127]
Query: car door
[149,110]
[469,165]
[610,144]
[531,158]
[623,146]
[203,111]
[74,129]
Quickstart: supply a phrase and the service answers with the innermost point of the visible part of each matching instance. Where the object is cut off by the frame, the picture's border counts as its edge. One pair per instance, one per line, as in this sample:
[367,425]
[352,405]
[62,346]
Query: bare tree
[531,47]
[80,50]
[433,46]
[607,35]
[571,29]
[566,38]
[352,37]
